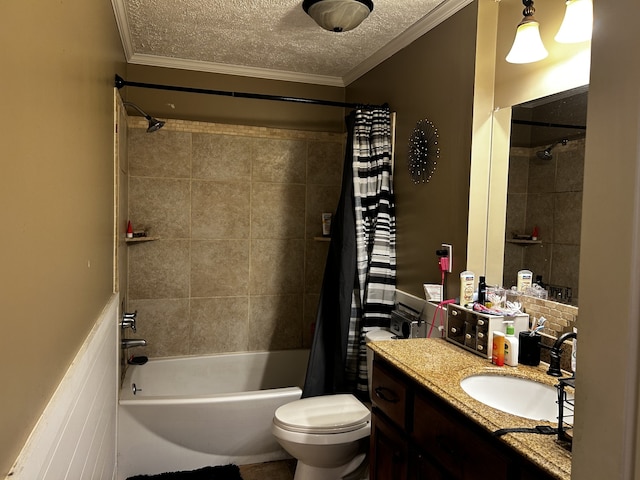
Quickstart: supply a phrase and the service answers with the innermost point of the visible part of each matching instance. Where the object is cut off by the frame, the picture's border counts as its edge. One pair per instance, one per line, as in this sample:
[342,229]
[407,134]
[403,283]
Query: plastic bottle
[467,280]
[482,291]
[511,346]
[525,278]
[497,353]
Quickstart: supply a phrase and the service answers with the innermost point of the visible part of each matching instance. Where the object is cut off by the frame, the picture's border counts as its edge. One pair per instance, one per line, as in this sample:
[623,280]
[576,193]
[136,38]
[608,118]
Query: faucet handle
[129,320]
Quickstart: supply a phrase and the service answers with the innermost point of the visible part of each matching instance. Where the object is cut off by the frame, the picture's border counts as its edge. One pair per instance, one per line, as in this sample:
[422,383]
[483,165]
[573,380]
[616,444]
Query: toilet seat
[329,414]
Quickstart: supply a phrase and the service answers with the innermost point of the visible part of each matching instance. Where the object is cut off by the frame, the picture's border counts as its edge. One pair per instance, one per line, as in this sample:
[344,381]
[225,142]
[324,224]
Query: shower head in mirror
[546,153]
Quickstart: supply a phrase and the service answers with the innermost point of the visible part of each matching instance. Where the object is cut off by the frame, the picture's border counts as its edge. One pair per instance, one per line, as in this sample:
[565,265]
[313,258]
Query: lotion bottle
[497,353]
[525,278]
[467,280]
[511,346]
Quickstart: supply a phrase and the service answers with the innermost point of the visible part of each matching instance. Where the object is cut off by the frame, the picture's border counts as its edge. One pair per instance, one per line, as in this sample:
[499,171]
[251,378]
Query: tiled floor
[282,470]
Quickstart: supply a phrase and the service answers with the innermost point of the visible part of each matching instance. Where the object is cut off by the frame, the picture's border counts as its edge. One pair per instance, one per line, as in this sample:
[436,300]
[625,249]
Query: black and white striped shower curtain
[358,289]
[374,292]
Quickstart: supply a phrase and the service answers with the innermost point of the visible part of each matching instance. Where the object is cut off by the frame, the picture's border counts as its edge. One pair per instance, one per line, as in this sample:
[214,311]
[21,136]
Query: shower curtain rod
[547,124]
[121,82]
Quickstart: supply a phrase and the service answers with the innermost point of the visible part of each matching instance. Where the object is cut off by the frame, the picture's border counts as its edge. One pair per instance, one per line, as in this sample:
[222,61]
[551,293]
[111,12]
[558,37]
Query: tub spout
[132,342]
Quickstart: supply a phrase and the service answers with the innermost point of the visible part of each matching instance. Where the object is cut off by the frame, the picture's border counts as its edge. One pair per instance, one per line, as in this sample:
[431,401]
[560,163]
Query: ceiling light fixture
[527,46]
[338,15]
[577,23]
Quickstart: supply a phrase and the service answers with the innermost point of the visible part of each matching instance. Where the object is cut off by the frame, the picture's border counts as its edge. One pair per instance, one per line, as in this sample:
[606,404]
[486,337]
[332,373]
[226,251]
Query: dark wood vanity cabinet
[418,436]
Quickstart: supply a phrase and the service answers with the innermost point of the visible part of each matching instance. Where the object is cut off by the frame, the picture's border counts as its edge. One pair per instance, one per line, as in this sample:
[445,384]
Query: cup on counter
[529,351]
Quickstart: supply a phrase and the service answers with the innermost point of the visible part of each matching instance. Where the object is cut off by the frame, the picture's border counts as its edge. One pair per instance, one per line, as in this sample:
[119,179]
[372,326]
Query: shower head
[154,123]
[546,153]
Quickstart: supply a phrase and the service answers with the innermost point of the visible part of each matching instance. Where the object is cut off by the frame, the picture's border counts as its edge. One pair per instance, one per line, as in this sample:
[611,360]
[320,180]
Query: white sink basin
[517,396]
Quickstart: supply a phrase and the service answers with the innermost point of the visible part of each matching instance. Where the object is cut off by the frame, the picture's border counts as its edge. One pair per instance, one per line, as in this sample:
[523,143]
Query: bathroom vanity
[426,427]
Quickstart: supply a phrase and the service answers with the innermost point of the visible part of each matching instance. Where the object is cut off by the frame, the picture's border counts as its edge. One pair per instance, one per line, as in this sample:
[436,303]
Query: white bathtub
[189,412]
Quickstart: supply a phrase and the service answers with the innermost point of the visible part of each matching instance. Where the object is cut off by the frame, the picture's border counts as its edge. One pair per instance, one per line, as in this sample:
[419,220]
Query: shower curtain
[358,289]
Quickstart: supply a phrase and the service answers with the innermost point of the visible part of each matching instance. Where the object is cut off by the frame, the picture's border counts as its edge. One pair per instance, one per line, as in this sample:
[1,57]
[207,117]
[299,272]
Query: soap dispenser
[510,346]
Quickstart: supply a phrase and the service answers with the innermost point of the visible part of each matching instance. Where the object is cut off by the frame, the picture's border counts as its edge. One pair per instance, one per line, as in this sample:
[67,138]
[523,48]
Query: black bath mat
[224,472]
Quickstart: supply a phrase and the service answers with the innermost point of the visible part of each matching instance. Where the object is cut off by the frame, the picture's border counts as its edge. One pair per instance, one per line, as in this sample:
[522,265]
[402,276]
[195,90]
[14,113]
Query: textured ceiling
[270,38]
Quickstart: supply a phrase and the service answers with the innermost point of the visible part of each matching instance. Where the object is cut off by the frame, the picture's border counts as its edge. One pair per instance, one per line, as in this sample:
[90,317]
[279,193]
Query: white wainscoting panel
[75,438]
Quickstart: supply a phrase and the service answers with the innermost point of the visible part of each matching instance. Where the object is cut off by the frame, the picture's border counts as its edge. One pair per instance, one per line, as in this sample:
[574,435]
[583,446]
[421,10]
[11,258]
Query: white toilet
[328,435]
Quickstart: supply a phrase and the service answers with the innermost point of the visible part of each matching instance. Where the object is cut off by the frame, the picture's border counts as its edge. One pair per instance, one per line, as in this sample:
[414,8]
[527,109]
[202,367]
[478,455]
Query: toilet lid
[378,335]
[325,414]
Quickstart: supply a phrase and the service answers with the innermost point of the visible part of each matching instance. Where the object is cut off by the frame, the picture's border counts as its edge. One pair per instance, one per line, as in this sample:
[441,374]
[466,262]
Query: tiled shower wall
[547,194]
[237,265]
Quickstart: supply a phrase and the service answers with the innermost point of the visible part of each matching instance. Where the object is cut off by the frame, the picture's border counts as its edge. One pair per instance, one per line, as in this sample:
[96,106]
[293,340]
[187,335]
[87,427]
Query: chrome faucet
[556,353]
[132,342]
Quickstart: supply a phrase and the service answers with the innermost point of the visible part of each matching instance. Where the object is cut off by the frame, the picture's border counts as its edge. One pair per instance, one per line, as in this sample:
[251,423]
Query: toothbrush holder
[529,351]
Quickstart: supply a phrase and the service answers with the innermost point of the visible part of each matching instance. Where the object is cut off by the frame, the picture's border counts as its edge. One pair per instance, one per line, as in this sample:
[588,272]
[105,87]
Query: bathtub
[183,413]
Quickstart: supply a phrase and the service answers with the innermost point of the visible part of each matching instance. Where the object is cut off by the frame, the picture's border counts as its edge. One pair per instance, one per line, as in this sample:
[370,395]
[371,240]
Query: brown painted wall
[235,111]
[431,78]
[56,191]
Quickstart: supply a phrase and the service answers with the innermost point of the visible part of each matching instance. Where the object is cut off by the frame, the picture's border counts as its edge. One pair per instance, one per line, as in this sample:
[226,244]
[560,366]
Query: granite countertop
[439,366]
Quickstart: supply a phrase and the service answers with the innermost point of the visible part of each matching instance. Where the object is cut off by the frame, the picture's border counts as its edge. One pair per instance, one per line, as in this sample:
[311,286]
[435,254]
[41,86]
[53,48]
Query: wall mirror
[544,192]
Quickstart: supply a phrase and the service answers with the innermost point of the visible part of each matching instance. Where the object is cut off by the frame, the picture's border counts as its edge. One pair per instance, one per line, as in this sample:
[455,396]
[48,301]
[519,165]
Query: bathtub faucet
[132,342]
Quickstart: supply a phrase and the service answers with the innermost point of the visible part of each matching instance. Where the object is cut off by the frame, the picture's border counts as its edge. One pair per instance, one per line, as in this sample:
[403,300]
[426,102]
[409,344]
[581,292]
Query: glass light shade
[527,46]
[339,15]
[577,23]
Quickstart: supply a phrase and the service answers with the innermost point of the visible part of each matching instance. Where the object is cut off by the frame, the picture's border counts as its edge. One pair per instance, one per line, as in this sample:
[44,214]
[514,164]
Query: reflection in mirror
[544,195]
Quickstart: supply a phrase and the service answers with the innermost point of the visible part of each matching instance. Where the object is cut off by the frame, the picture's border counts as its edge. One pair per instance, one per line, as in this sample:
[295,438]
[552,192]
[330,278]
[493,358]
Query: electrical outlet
[449,249]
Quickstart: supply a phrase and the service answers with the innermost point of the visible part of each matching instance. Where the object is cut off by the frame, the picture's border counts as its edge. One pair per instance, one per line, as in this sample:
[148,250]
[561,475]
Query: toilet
[329,434]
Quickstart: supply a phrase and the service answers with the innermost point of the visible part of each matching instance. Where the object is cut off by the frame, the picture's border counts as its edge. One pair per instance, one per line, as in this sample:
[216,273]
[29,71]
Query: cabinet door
[389,451]
[389,394]
[455,443]
[423,467]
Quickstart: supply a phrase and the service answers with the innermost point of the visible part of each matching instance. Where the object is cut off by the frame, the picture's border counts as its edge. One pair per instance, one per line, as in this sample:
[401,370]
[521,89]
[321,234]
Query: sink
[514,395]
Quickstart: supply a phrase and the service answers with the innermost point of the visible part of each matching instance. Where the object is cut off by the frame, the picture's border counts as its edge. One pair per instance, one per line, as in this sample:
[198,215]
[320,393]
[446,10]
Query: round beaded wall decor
[424,151]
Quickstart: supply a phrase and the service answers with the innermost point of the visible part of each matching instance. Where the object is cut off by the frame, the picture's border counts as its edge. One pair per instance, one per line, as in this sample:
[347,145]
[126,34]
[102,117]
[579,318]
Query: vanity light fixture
[577,23]
[527,46]
[338,15]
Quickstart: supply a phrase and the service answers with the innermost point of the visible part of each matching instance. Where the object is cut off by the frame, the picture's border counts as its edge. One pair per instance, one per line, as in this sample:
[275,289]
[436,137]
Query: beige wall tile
[159,269]
[279,161]
[275,322]
[233,228]
[277,267]
[164,154]
[219,268]
[542,175]
[219,210]
[160,205]
[277,210]
[222,157]
[567,218]
[324,163]
[164,324]
[219,325]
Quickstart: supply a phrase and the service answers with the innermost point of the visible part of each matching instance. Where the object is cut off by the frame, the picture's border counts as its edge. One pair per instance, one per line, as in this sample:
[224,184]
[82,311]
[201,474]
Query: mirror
[544,192]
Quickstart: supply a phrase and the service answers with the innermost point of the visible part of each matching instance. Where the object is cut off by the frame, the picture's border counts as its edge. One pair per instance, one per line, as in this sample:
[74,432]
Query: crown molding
[434,18]
[120,13]
[211,67]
